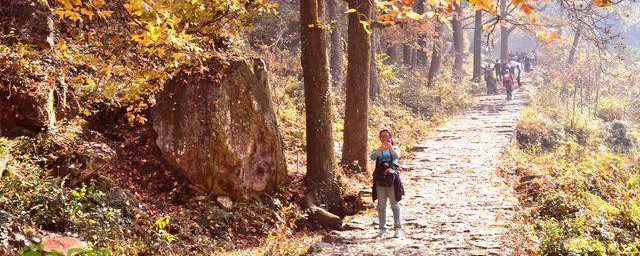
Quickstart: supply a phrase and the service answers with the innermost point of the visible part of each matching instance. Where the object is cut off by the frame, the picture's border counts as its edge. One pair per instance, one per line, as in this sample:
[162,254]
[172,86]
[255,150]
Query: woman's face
[385,137]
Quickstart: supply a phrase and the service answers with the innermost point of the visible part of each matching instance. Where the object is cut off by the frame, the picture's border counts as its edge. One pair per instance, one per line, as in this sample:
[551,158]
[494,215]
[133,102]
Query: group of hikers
[508,72]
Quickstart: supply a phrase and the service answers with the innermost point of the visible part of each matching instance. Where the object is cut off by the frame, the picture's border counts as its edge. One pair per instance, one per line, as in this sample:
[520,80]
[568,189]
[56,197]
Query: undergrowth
[577,175]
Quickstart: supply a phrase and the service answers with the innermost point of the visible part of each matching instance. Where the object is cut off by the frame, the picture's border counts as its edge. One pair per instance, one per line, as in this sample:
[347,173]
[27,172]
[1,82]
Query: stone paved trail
[455,204]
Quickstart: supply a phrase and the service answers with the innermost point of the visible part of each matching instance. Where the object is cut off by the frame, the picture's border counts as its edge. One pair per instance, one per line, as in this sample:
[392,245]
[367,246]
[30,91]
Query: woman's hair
[390,135]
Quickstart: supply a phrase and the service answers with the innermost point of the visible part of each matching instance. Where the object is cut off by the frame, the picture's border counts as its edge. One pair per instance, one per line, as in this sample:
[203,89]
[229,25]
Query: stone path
[455,204]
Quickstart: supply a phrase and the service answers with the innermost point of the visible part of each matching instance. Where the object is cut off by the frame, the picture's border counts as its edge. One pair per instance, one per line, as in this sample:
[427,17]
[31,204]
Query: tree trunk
[574,46]
[436,56]
[422,42]
[458,42]
[477,46]
[504,36]
[422,56]
[321,179]
[504,44]
[354,152]
[374,89]
[406,55]
[414,58]
[336,59]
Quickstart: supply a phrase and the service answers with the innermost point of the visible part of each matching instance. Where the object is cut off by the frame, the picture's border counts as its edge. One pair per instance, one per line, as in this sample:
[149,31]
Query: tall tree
[458,41]
[374,89]
[436,55]
[374,86]
[321,178]
[357,103]
[574,45]
[336,57]
[421,59]
[406,54]
[477,46]
[505,31]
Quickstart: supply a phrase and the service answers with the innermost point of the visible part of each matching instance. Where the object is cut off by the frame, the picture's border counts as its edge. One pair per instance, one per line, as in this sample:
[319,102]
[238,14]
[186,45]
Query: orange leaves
[516,2]
[602,3]
[527,8]
[75,9]
[449,8]
[548,37]
[61,45]
[407,2]
[104,14]
[393,12]
[485,5]
[552,36]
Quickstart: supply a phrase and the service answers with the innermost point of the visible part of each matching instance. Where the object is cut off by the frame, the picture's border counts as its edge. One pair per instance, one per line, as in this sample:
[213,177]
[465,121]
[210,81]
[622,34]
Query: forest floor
[455,202]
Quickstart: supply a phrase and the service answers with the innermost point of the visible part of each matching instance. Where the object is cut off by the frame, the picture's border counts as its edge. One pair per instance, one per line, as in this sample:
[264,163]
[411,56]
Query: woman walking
[386,182]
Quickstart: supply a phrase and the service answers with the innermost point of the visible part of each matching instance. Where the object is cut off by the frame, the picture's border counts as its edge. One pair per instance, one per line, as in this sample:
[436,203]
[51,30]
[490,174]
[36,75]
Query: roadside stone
[225,203]
[62,244]
[334,237]
[319,247]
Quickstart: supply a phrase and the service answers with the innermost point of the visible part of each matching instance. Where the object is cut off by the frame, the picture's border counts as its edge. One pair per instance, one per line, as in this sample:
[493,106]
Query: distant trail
[455,204]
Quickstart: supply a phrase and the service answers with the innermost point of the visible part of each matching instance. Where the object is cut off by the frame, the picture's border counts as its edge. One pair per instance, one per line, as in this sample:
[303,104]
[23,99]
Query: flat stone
[225,203]
[62,244]
[319,247]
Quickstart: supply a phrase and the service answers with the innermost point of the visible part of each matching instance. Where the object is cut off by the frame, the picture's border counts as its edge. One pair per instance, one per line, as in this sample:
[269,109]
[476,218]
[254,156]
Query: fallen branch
[320,215]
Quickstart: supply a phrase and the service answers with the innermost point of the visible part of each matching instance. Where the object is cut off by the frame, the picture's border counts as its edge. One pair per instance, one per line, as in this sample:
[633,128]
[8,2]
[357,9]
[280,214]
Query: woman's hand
[389,170]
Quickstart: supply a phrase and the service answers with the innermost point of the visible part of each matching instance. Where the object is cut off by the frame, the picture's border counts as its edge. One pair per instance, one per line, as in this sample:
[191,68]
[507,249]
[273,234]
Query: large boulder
[30,20]
[29,103]
[220,130]
[22,109]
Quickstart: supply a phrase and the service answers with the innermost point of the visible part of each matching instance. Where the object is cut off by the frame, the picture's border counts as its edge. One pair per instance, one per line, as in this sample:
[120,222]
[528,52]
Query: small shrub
[535,131]
[610,108]
[620,139]
[584,129]
[585,246]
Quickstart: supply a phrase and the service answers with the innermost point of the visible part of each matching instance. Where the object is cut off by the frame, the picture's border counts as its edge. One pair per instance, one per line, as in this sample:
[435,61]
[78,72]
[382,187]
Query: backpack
[508,79]
[380,177]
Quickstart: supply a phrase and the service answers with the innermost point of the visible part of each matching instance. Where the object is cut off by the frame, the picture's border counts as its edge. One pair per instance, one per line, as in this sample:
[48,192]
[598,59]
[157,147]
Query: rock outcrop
[220,130]
[29,20]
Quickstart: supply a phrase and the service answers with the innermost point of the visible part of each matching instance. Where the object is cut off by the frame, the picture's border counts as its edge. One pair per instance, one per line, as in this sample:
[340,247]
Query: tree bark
[406,55]
[374,89]
[436,56]
[458,42]
[354,151]
[574,45]
[336,58]
[422,56]
[414,58]
[321,178]
[422,42]
[504,35]
[477,46]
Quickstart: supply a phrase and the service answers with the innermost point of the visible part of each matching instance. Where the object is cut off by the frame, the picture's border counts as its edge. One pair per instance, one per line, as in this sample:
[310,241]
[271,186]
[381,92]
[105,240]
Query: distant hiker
[386,182]
[507,81]
[534,58]
[516,70]
[527,62]
[490,79]
[498,69]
